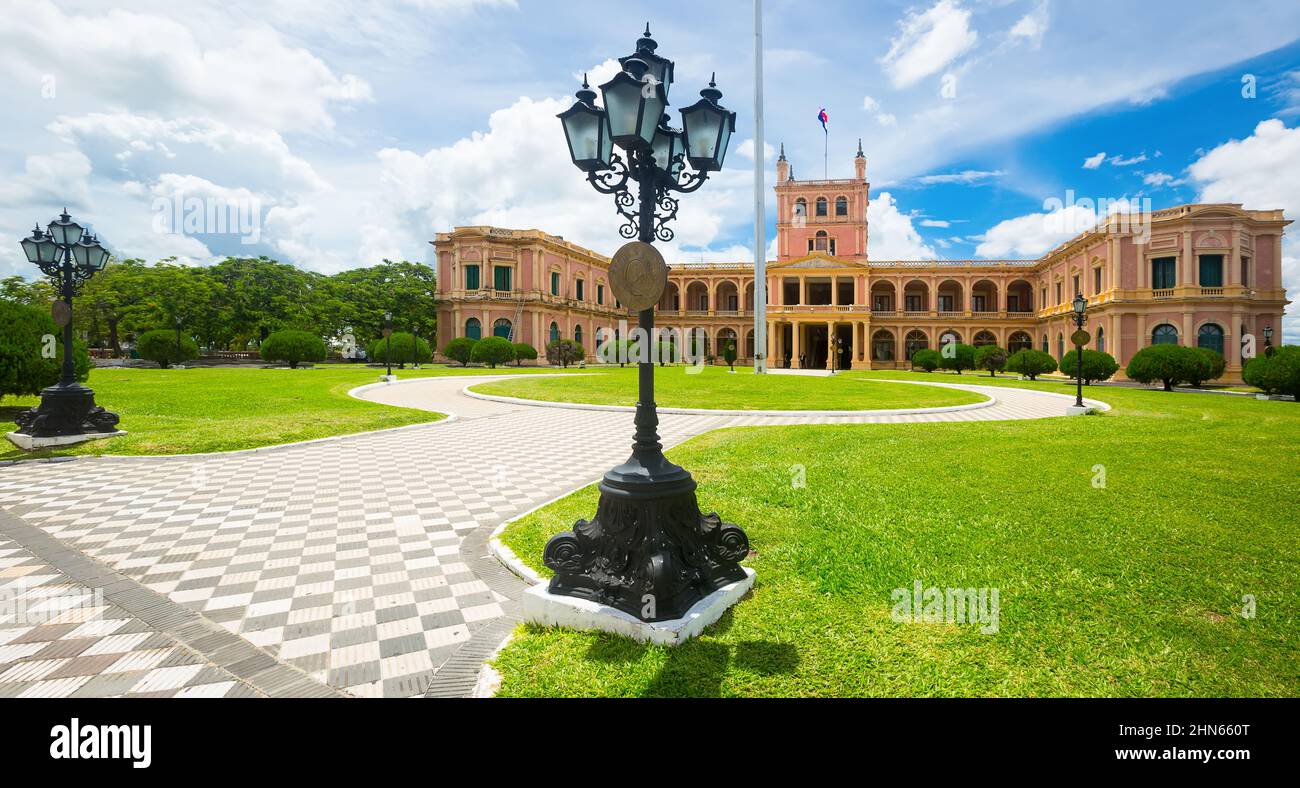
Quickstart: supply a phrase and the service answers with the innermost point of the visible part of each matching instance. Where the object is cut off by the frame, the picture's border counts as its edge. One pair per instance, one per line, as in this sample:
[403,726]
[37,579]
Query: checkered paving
[58,639]
[340,558]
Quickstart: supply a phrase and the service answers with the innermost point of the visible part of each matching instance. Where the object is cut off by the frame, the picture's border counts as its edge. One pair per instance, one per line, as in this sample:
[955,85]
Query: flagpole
[760,203]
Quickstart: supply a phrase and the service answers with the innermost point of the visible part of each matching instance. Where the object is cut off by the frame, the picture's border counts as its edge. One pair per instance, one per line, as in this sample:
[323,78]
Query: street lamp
[649,551]
[180,321]
[835,363]
[69,255]
[1268,340]
[1080,338]
[388,342]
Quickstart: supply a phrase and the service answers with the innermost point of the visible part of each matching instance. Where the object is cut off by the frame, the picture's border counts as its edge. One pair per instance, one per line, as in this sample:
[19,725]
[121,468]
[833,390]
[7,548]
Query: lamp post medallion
[61,312]
[638,276]
[1081,337]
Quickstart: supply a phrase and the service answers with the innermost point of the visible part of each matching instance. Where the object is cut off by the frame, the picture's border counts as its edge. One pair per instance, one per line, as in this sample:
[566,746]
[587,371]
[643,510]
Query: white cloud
[1160,179]
[886,119]
[935,223]
[1093,162]
[927,42]
[1261,172]
[50,178]
[1032,26]
[869,104]
[1148,96]
[746,149]
[1034,234]
[156,64]
[892,236]
[1120,161]
[965,176]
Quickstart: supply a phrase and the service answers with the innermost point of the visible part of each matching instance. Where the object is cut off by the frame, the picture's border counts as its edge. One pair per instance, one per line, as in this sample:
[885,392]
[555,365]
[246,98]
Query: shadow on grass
[696,668]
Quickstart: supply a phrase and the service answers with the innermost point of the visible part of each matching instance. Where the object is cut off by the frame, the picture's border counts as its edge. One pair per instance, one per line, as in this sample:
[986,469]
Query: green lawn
[225,409]
[715,387]
[1134,589]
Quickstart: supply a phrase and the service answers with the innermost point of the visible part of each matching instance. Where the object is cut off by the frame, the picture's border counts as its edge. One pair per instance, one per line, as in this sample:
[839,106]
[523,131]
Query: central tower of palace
[827,216]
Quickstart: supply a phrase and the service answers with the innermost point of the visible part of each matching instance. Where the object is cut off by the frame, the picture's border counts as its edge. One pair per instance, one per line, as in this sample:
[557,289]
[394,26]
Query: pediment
[817,262]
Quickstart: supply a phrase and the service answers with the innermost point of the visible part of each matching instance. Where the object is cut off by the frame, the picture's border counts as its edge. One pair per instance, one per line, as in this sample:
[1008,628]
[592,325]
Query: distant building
[1194,275]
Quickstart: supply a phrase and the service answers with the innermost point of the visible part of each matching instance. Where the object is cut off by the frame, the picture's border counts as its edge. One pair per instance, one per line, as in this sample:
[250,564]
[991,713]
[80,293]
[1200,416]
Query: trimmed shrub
[492,351]
[564,352]
[406,348]
[1215,369]
[460,349]
[1169,364]
[524,352]
[957,358]
[160,345]
[1097,366]
[927,360]
[1031,363]
[1276,374]
[293,347]
[992,358]
[23,368]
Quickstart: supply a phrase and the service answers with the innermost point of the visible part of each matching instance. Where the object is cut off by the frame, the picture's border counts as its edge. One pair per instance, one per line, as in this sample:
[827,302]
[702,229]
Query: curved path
[357,565]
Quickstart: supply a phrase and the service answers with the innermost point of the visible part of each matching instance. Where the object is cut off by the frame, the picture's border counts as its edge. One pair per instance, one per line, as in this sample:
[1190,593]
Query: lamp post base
[67,411]
[1075,410]
[649,551]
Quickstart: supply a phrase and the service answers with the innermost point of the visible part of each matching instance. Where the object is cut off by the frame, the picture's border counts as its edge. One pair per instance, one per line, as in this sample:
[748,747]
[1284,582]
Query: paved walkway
[354,566]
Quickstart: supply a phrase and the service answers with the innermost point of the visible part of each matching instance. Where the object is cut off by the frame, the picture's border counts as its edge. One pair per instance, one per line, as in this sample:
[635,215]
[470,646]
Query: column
[803,290]
[830,339]
[794,351]
[835,291]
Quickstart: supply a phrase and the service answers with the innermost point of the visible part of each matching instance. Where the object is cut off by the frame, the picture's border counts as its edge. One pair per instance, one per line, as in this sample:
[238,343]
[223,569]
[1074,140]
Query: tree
[1214,370]
[1169,364]
[1097,365]
[564,352]
[926,359]
[1031,363]
[493,351]
[992,358]
[524,352]
[359,298]
[401,348]
[460,349]
[161,346]
[35,293]
[31,351]
[957,357]
[293,347]
[729,353]
[1276,374]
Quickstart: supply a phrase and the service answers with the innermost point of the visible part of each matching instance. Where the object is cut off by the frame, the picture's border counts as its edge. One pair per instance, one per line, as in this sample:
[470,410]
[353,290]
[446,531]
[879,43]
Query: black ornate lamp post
[1268,340]
[180,321]
[388,342]
[69,255]
[1080,309]
[649,551]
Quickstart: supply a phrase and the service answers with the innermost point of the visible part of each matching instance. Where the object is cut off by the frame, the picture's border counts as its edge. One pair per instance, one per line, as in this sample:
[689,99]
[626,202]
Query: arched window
[1210,336]
[841,206]
[473,328]
[577,334]
[1045,348]
[501,328]
[555,332]
[985,338]
[800,208]
[882,346]
[1101,339]
[914,341]
[1060,346]
[1019,341]
[1164,334]
[822,242]
[821,206]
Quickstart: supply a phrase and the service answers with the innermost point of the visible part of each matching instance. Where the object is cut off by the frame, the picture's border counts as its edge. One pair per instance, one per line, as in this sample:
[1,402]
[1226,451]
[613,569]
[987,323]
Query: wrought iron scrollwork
[640,168]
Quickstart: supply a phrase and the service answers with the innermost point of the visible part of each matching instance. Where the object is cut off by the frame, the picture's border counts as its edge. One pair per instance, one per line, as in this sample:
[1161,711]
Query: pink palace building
[1201,275]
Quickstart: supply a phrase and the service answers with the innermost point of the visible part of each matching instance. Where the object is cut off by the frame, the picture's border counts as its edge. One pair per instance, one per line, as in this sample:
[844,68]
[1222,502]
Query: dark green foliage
[1031,363]
[1215,370]
[24,370]
[957,357]
[1097,365]
[564,352]
[1276,374]
[524,352]
[293,347]
[161,346]
[992,358]
[460,349]
[405,349]
[492,351]
[927,360]
[1169,364]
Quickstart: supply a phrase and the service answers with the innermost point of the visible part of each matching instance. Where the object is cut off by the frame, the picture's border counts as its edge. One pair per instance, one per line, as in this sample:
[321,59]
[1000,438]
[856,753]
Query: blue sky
[354,131]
